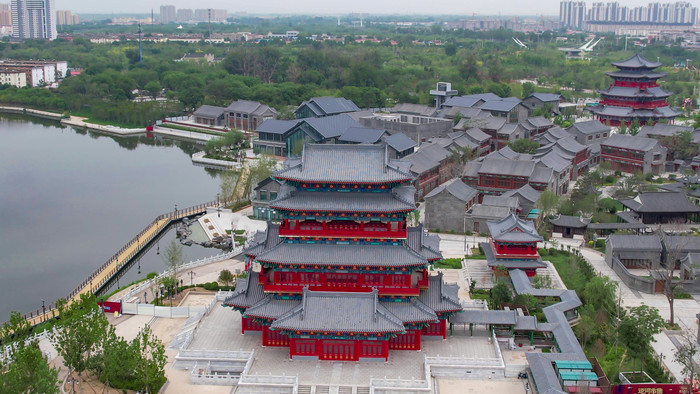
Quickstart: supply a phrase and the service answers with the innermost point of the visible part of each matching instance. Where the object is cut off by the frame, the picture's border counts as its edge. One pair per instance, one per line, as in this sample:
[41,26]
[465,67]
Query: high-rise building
[572,14]
[64,17]
[681,12]
[167,14]
[33,19]
[185,15]
[5,15]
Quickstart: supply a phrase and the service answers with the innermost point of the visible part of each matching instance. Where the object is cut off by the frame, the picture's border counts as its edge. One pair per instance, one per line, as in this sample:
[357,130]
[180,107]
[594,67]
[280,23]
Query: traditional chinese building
[513,245]
[634,94]
[343,276]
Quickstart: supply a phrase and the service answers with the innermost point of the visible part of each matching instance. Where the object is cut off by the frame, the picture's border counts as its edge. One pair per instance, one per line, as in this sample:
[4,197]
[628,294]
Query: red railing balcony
[341,286]
[342,231]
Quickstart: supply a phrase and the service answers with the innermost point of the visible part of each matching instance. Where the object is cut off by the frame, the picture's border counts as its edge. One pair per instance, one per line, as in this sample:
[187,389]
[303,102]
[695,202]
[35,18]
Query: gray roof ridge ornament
[303,154]
[303,305]
[376,301]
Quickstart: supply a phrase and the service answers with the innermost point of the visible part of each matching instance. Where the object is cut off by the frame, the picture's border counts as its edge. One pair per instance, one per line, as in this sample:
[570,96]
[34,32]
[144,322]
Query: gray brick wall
[445,212]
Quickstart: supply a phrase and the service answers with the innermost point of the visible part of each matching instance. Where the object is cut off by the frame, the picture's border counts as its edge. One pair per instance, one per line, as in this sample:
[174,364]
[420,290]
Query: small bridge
[113,266]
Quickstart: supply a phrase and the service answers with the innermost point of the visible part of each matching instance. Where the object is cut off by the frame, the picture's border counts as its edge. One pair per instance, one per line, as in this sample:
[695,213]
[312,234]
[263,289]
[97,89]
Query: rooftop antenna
[140,54]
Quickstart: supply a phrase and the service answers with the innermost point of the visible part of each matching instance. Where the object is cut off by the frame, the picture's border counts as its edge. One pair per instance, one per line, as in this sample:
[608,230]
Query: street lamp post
[464,230]
[145,301]
[192,274]
[176,210]
[43,310]
[218,206]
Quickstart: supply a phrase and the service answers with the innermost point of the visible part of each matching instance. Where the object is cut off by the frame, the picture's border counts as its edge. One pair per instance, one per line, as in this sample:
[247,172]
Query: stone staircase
[479,271]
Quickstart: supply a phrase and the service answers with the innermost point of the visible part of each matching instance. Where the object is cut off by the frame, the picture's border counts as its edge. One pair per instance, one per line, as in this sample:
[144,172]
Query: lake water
[70,199]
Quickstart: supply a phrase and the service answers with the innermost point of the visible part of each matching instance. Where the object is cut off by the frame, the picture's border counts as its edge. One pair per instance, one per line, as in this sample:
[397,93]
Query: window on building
[263,195]
[273,195]
[590,138]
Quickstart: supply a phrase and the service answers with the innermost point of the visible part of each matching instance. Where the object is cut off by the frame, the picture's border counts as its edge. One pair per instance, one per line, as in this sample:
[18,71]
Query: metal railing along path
[105,272]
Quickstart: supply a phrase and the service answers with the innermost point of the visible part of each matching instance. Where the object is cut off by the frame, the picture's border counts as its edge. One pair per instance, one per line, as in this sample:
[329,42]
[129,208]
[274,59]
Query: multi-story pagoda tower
[634,94]
[343,276]
[513,245]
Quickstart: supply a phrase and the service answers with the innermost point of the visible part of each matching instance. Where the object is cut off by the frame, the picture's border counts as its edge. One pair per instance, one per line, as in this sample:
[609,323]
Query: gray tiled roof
[609,110]
[502,105]
[340,312]
[546,97]
[362,135]
[332,126]
[247,293]
[342,255]
[631,142]
[526,192]
[440,296]
[417,109]
[270,308]
[427,157]
[633,74]
[251,107]
[570,221]
[491,123]
[484,96]
[542,175]
[209,111]
[471,169]
[476,316]
[511,128]
[507,167]
[466,112]
[344,163]
[570,144]
[512,228]
[477,135]
[589,127]
[400,142]
[555,162]
[456,188]
[400,199]
[492,261]
[412,311]
[501,201]
[621,91]
[324,106]
[682,243]
[634,242]
[540,121]
[423,243]
[488,212]
[263,240]
[637,61]
[276,126]
[462,101]
[663,129]
[669,202]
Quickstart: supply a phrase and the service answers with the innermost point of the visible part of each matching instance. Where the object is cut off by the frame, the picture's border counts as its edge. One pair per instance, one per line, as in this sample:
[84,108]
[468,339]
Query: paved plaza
[221,330]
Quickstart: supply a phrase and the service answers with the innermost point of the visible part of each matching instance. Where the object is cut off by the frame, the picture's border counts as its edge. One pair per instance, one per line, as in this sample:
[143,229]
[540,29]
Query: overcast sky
[335,7]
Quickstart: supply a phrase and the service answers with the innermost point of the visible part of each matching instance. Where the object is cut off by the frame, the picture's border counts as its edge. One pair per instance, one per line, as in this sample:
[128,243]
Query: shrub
[618,173]
[151,275]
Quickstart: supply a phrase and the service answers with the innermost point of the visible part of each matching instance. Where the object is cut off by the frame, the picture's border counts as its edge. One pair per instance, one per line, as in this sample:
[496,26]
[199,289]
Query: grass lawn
[454,263]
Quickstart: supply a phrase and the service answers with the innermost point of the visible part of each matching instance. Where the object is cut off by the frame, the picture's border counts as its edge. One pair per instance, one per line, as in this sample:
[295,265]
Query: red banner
[111,307]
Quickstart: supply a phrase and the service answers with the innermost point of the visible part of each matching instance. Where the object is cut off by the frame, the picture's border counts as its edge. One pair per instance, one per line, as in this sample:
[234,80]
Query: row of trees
[88,344]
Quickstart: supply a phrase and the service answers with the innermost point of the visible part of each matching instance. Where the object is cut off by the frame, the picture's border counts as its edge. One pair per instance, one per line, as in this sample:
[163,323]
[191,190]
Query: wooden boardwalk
[111,267]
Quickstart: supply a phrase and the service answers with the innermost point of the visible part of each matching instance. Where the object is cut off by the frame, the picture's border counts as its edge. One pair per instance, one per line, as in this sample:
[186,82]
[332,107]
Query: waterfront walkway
[111,267]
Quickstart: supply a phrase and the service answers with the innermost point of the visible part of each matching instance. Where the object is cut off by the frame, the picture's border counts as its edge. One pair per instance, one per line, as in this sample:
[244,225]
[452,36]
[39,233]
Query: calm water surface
[70,199]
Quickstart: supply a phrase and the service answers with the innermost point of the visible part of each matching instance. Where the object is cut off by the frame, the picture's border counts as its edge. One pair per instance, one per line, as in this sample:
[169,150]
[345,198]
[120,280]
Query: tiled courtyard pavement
[221,330]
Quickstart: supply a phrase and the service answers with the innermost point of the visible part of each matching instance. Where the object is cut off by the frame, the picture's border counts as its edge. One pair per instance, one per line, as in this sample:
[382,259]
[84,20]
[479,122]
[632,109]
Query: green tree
[450,49]
[524,145]
[150,370]
[528,89]
[634,127]
[153,88]
[227,187]
[79,332]
[173,258]
[547,202]
[685,356]
[25,369]
[500,293]
[637,330]
[225,277]
[600,292]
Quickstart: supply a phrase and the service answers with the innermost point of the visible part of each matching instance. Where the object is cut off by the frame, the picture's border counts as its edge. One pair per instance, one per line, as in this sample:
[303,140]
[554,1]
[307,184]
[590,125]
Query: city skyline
[505,7]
